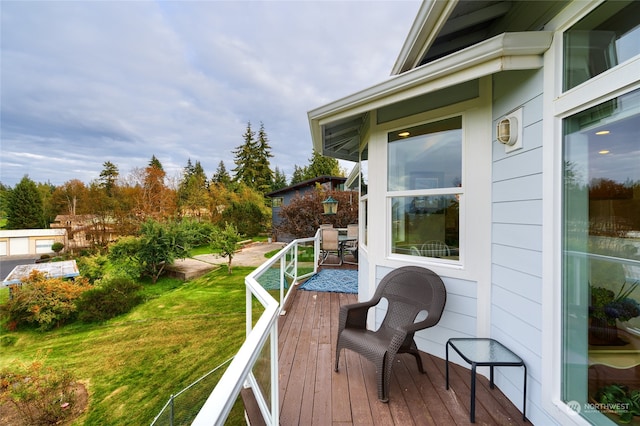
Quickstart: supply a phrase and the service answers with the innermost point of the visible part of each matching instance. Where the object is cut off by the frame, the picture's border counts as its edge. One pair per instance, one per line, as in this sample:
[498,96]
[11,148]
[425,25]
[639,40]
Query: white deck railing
[261,336]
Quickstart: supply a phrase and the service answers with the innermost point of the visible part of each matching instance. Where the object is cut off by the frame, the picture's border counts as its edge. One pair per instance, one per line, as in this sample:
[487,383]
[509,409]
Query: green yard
[133,363]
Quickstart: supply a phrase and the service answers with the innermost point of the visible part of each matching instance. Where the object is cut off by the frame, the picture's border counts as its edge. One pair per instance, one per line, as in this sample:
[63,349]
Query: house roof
[449,44]
[442,28]
[306,183]
[64,269]
[16,233]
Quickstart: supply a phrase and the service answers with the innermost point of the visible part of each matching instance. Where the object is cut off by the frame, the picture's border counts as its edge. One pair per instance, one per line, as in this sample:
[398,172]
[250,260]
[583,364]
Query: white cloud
[87,82]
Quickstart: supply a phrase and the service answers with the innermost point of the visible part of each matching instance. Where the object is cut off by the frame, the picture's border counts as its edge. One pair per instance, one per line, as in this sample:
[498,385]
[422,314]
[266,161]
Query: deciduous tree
[226,241]
[304,214]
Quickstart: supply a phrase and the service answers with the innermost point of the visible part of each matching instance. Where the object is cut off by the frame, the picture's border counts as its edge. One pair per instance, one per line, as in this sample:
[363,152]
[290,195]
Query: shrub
[93,267]
[57,247]
[112,297]
[41,395]
[47,302]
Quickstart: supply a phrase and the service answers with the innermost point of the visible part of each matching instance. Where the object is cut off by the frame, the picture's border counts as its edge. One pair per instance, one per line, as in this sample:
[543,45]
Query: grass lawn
[132,364]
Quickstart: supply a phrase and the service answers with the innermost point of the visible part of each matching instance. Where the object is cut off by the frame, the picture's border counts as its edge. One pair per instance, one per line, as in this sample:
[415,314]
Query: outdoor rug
[333,280]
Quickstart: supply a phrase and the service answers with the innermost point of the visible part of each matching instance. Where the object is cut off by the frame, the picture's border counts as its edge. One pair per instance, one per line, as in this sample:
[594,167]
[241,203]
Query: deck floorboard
[312,393]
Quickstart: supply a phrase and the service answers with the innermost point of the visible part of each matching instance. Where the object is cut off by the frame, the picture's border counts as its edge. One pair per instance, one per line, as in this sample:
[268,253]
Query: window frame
[457,191]
[558,105]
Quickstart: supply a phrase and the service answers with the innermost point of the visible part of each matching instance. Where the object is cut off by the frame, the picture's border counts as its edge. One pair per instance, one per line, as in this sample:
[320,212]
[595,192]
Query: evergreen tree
[155,163]
[192,192]
[264,174]
[298,175]
[108,177]
[24,206]
[245,157]
[320,165]
[252,161]
[279,180]
[4,196]
[221,176]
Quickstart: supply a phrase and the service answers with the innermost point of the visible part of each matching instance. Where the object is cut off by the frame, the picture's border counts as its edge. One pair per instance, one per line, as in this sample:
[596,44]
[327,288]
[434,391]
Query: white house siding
[458,320]
[516,299]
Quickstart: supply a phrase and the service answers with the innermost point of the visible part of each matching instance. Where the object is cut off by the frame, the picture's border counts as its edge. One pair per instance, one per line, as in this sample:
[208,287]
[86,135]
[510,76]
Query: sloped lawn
[132,364]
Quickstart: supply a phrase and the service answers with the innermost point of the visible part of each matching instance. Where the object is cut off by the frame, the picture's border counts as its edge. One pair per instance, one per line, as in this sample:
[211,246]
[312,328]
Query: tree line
[121,203]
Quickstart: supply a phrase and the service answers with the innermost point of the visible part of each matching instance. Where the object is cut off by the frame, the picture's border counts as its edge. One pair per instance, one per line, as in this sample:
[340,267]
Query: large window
[424,185]
[601,40]
[364,185]
[601,261]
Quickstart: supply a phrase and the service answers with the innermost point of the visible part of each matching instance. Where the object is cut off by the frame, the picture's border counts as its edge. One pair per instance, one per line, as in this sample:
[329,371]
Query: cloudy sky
[87,82]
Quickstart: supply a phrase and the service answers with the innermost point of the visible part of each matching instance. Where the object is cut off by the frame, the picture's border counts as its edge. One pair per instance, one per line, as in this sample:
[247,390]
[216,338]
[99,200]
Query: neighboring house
[84,230]
[22,242]
[508,136]
[282,197]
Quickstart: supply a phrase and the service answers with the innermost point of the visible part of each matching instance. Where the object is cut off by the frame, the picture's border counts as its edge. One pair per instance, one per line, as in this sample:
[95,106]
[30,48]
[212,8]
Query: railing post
[171,411]
[283,264]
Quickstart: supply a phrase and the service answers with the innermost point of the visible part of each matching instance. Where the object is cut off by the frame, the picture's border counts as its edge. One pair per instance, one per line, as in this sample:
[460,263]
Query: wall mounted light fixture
[509,130]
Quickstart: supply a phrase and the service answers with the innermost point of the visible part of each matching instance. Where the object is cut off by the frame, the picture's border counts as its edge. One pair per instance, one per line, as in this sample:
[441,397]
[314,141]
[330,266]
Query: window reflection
[603,39]
[601,307]
[425,185]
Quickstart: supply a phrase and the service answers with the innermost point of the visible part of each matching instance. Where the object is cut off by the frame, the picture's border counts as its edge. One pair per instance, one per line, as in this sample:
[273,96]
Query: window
[277,201]
[601,40]
[424,184]
[364,184]
[601,253]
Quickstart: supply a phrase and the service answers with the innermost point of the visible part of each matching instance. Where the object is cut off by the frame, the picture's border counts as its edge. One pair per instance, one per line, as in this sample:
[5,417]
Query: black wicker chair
[409,291]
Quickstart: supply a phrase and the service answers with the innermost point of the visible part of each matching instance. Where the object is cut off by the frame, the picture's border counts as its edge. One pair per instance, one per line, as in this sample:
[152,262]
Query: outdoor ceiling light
[404,134]
[603,132]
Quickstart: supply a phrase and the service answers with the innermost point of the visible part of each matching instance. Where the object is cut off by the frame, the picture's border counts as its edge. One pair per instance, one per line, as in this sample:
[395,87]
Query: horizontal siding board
[526,285]
[461,305]
[514,88]
[527,261]
[517,235]
[453,321]
[521,307]
[520,331]
[532,136]
[523,188]
[525,163]
[518,212]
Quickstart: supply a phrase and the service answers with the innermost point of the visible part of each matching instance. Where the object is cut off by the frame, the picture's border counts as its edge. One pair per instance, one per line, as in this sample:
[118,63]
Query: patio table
[489,353]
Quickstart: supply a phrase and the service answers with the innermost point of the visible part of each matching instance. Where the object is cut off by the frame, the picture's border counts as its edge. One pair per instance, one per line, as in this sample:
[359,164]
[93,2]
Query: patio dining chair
[410,291]
[435,248]
[351,245]
[330,245]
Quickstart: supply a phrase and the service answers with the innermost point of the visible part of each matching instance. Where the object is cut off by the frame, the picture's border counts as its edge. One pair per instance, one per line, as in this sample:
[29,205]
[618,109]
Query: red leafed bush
[43,301]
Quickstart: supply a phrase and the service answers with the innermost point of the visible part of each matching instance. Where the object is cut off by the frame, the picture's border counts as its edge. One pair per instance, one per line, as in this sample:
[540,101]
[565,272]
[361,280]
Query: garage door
[18,246]
[44,246]
[3,248]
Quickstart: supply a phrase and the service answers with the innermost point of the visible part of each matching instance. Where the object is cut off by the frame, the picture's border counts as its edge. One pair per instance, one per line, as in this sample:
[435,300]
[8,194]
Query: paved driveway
[9,262]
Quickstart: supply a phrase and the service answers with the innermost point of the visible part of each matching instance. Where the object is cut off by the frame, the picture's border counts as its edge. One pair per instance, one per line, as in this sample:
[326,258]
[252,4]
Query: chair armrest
[354,315]
[421,325]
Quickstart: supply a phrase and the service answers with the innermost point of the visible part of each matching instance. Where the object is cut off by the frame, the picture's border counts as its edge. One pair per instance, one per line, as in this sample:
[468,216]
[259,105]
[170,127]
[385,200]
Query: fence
[255,365]
[183,407]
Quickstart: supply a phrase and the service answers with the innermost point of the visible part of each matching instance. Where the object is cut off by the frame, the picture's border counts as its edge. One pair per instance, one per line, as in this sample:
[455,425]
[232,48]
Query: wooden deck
[311,393]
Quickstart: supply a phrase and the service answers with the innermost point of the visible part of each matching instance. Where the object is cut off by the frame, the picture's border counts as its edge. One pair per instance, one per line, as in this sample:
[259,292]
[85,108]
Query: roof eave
[429,20]
[507,51]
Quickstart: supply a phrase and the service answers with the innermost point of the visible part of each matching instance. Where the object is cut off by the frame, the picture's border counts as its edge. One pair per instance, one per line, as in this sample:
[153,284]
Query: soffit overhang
[337,128]
[443,27]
